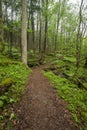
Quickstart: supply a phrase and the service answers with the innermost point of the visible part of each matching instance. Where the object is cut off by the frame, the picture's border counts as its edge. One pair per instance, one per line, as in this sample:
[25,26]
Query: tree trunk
[79,37]
[11,26]
[1,28]
[40,27]
[24,32]
[57,25]
[28,26]
[32,25]
[33,31]
[40,36]
[46,28]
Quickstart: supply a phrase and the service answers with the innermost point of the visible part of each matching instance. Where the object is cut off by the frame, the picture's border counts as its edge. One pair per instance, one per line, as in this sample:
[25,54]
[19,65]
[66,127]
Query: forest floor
[40,107]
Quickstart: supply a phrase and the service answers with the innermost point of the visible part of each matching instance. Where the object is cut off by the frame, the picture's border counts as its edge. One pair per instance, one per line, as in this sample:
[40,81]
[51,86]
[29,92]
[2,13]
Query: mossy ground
[18,73]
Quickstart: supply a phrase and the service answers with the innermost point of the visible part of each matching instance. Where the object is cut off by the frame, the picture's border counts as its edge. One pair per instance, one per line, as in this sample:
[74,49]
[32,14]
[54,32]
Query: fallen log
[33,64]
[77,81]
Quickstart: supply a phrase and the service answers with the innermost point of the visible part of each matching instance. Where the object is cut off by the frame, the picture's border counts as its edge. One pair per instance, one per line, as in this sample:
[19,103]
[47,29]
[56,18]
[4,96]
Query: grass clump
[76,98]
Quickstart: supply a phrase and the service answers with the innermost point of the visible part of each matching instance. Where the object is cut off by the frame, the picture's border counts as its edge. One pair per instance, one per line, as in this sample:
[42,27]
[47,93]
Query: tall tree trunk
[46,28]
[40,26]
[11,26]
[40,36]
[24,32]
[79,36]
[57,25]
[32,24]
[1,28]
[37,33]
[28,26]
[33,31]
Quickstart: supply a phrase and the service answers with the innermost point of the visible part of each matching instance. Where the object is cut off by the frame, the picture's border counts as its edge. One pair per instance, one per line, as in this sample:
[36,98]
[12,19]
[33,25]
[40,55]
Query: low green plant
[76,98]
[1,103]
[59,62]
[17,74]
[1,117]
[70,59]
[12,116]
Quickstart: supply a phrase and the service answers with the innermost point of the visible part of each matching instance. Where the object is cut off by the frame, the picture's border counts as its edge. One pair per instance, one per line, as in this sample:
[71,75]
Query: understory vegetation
[72,88]
[13,78]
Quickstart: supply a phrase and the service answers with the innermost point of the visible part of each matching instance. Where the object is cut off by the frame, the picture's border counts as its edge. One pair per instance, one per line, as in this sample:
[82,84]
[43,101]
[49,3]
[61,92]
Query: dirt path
[41,109]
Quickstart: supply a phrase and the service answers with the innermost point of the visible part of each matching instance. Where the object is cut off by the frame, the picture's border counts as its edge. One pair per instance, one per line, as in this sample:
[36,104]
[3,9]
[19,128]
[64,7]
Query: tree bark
[46,28]
[32,25]
[57,25]
[1,28]
[24,32]
[11,26]
[79,37]
[40,35]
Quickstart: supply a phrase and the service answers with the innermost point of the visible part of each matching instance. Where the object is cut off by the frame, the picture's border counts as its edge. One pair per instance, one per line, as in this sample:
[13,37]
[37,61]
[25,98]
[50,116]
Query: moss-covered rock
[4,85]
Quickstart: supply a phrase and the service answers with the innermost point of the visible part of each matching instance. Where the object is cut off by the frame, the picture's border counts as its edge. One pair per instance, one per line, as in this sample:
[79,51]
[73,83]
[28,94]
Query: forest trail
[41,108]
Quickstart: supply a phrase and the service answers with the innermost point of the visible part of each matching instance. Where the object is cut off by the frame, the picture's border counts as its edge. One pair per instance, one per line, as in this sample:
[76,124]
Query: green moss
[18,73]
[6,82]
[4,59]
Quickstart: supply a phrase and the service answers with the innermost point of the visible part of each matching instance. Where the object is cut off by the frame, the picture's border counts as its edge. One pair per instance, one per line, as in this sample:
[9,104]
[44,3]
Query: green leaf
[75,117]
[11,100]
[12,116]
[3,97]
[1,117]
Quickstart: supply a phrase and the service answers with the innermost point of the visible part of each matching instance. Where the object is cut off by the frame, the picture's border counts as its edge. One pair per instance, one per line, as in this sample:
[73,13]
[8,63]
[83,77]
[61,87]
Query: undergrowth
[18,73]
[76,97]
[68,90]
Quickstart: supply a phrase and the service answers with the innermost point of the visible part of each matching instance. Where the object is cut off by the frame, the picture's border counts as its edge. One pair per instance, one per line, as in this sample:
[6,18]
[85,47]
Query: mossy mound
[4,85]
[6,82]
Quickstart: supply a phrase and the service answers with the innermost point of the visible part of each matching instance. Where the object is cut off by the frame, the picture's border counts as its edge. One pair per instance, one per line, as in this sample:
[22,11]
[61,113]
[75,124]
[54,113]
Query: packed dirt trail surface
[41,108]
